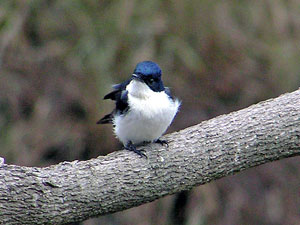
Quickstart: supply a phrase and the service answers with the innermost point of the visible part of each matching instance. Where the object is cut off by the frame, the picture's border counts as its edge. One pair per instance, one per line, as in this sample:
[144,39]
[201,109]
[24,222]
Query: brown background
[58,59]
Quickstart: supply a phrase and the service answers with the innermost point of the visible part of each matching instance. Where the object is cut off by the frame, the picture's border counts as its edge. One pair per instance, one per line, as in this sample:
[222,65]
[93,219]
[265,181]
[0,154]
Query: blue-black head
[149,73]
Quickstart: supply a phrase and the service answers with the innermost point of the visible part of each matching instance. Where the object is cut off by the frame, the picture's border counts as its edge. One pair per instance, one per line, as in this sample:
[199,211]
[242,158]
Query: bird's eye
[151,80]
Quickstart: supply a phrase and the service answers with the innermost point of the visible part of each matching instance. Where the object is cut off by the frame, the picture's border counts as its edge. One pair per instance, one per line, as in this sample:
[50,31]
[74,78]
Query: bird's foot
[162,142]
[131,147]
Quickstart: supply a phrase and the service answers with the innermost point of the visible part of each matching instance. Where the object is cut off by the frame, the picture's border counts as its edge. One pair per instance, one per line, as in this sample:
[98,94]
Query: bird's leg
[162,142]
[131,147]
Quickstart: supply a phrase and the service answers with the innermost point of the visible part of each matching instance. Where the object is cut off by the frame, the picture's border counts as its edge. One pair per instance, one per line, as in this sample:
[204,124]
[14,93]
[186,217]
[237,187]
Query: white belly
[147,118]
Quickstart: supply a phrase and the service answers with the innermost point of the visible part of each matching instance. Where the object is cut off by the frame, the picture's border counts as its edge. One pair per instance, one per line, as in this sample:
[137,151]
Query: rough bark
[75,191]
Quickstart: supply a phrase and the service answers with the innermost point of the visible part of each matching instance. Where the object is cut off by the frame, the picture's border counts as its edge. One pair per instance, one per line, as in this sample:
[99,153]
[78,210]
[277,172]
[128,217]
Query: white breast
[150,114]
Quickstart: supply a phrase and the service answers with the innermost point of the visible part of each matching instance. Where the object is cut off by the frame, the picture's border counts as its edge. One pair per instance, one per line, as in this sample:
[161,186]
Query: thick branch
[74,191]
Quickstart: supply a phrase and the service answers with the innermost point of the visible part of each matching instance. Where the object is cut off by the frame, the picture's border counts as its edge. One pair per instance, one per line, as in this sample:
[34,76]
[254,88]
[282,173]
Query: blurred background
[59,58]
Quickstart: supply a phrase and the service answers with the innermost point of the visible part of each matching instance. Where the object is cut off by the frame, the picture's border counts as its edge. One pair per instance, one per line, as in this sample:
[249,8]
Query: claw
[131,147]
[162,142]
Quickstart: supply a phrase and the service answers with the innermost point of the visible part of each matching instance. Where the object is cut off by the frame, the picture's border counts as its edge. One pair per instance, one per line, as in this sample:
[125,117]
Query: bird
[144,108]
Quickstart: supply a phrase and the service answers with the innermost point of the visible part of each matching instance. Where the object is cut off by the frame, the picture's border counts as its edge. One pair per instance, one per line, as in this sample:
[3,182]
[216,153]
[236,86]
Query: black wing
[120,95]
[106,119]
[118,88]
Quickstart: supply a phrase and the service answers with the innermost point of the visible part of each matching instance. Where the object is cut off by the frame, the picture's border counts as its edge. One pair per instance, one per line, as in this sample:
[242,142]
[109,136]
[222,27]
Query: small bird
[144,108]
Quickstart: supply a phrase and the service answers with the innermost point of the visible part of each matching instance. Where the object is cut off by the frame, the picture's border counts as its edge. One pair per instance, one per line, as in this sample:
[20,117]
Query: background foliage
[58,59]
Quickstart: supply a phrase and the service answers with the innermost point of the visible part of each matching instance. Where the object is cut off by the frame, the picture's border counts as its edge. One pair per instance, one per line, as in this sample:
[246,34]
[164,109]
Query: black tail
[106,119]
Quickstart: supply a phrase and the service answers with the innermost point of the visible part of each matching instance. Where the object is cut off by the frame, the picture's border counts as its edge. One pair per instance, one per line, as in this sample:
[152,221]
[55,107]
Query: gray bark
[75,191]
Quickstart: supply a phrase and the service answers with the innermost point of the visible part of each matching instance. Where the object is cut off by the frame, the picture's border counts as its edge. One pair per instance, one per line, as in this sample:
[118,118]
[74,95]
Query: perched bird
[144,107]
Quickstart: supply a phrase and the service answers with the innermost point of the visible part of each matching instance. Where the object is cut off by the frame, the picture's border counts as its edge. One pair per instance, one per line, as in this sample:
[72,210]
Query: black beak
[137,77]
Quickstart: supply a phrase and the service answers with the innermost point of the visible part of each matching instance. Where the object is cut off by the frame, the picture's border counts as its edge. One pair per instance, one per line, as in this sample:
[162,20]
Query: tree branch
[75,191]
